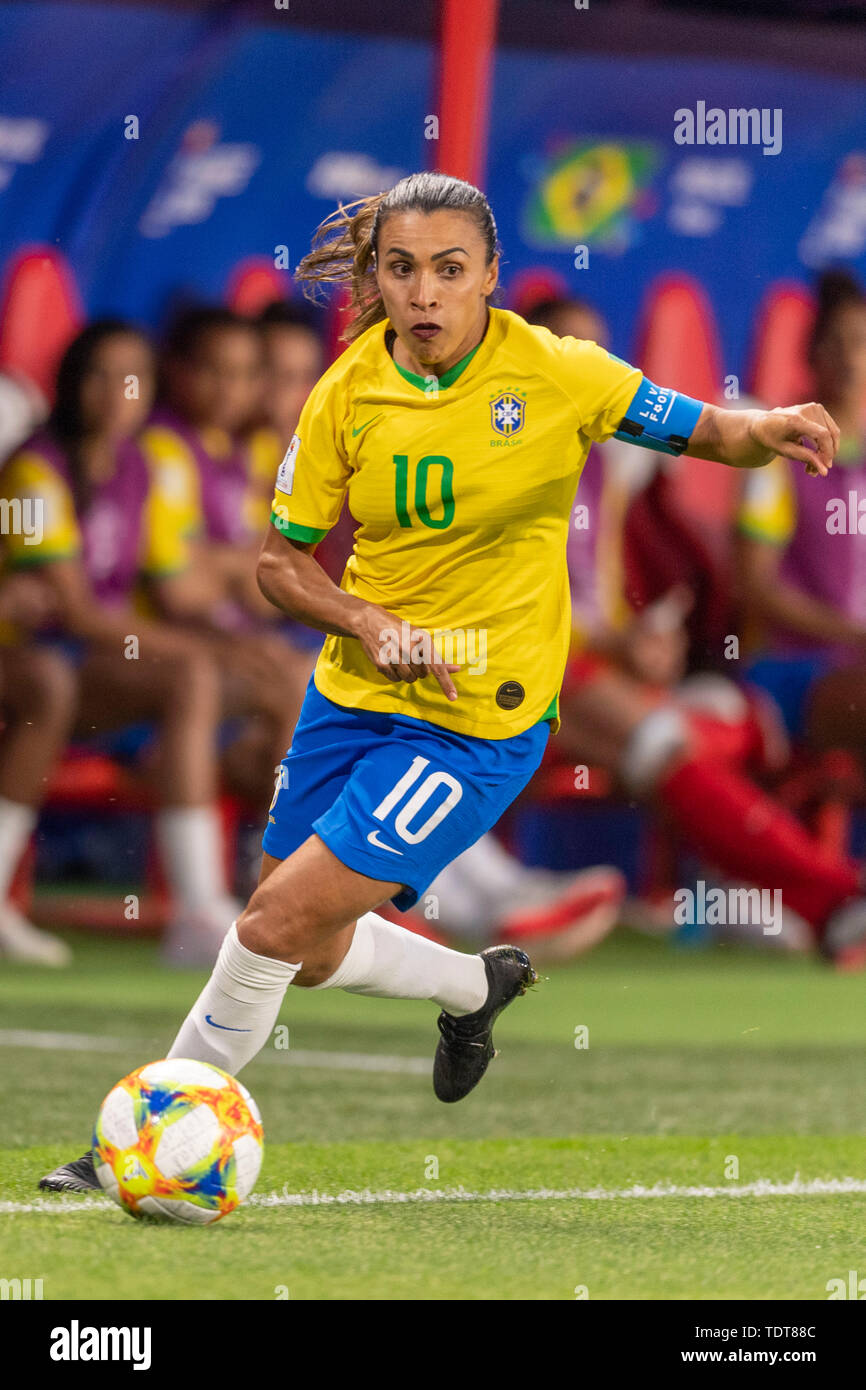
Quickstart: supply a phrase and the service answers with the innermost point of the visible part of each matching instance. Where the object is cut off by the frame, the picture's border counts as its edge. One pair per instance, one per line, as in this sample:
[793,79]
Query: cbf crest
[508,412]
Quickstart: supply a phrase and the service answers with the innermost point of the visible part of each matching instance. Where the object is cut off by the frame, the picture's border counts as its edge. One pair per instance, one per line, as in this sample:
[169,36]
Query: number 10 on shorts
[418,800]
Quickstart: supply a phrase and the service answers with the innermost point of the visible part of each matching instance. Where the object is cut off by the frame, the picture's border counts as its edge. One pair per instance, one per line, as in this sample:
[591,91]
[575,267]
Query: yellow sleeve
[601,386]
[767,509]
[39,513]
[314,474]
[173,513]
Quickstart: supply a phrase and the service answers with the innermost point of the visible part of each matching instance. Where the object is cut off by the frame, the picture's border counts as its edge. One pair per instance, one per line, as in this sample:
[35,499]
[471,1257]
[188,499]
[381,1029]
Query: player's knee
[270,927]
[191,682]
[313,974]
[48,688]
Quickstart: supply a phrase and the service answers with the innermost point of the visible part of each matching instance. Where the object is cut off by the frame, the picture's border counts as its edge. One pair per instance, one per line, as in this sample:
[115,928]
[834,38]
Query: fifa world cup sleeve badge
[286,471]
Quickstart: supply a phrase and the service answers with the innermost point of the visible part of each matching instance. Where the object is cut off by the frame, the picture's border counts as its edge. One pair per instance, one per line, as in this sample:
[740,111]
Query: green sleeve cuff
[293,532]
[756,533]
[38,555]
[165,572]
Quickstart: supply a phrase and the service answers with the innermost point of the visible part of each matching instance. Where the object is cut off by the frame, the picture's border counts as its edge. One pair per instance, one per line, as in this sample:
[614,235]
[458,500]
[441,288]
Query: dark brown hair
[66,421]
[835,290]
[345,244]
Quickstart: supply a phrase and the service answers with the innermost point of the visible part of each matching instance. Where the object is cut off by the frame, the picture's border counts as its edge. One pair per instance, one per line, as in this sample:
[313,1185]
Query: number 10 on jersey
[443,471]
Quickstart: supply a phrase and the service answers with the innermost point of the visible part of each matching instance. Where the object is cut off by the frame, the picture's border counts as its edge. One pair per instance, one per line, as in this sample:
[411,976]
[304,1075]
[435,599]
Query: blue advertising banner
[612,171]
[158,148]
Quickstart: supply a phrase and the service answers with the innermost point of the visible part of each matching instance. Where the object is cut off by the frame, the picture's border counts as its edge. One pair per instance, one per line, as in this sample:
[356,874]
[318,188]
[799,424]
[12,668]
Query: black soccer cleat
[77,1176]
[465,1048]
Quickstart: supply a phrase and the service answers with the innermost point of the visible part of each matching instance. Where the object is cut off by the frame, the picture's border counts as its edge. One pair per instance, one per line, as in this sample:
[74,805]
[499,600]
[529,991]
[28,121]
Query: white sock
[191,848]
[242,997]
[392,963]
[16,827]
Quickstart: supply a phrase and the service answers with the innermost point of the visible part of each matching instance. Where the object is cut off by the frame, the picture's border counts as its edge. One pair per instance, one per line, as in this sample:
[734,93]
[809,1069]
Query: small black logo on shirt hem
[510,694]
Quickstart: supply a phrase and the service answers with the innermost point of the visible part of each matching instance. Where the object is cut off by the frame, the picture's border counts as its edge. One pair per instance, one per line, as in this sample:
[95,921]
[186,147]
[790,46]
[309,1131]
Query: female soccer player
[458,433]
[801,549]
[623,708]
[101,528]
[195,447]
[484,895]
[801,562]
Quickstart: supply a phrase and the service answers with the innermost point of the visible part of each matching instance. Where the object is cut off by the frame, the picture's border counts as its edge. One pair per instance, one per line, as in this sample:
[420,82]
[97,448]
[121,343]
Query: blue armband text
[659,418]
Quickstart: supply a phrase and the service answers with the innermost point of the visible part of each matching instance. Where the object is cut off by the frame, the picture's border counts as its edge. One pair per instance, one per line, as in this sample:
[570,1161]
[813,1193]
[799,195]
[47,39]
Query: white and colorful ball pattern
[178,1140]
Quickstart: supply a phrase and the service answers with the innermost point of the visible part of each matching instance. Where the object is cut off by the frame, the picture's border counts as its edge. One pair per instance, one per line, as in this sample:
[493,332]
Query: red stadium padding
[529,288]
[465,64]
[254,284]
[92,780]
[40,314]
[780,374]
[678,346]
[677,340]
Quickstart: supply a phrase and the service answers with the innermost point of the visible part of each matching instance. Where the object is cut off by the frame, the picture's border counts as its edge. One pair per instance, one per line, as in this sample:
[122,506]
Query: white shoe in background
[194,936]
[572,915]
[21,941]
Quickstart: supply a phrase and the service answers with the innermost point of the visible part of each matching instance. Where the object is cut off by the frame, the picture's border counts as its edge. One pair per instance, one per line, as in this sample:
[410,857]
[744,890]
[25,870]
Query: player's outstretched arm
[751,438]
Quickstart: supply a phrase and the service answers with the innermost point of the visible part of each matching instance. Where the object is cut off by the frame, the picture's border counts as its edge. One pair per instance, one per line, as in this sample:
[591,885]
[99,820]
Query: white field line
[764,1187]
[290,1057]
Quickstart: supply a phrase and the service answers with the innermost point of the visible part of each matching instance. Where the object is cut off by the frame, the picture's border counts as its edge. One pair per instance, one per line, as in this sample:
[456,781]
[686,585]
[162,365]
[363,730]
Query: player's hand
[400,651]
[805,432]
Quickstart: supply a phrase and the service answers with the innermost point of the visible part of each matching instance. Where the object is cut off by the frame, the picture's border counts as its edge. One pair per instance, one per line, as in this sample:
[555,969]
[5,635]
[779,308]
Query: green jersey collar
[446,379]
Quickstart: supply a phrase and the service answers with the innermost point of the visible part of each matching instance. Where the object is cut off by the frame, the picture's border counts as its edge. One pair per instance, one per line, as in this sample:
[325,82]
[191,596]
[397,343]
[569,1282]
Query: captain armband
[659,418]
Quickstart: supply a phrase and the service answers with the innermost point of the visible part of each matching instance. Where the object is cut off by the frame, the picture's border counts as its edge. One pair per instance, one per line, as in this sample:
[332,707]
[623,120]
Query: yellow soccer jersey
[48,528]
[176,518]
[174,514]
[767,509]
[32,480]
[30,477]
[265,451]
[462,489]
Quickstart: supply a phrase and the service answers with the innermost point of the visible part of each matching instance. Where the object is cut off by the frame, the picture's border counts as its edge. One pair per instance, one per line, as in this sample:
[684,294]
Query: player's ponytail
[342,254]
[344,245]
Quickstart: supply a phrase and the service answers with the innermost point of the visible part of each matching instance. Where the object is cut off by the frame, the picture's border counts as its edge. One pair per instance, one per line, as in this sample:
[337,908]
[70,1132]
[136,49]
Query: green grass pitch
[712,1071]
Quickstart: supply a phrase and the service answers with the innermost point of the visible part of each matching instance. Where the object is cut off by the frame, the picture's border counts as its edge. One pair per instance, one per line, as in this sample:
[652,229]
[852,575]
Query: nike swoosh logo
[224,1026]
[358,431]
[373,839]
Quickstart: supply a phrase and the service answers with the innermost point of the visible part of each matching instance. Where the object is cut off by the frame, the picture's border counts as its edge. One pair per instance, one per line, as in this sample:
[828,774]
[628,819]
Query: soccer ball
[178,1141]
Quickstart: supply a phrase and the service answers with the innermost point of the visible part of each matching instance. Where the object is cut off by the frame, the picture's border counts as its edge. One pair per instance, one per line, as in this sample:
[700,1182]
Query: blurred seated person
[686,746]
[802,548]
[93,663]
[293,342]
[293,362]
[37,708]
[197,448]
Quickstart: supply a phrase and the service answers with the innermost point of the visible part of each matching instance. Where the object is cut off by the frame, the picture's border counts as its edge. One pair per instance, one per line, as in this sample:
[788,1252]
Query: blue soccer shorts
[393,797]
